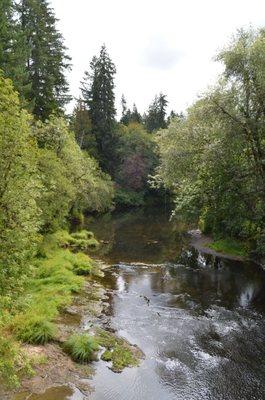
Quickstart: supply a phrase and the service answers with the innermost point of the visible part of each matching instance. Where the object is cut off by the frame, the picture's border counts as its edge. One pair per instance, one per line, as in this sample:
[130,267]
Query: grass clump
[82,347]
[83,240]
[229,246]
[34,329]
[82,235]
[83,265]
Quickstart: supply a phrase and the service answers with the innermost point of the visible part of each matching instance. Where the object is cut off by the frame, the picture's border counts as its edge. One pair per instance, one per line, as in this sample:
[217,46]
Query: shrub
[81,347]
[10,358]
[128,198]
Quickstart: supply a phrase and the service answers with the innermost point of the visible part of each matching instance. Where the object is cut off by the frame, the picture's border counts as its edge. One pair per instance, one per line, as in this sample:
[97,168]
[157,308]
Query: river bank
[70,301]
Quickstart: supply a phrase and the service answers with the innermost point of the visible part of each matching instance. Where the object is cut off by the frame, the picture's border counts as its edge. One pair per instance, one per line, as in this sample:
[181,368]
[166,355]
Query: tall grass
[56,276]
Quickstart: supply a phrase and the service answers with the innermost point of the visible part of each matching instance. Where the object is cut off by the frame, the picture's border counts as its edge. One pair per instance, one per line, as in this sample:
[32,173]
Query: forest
[56,167]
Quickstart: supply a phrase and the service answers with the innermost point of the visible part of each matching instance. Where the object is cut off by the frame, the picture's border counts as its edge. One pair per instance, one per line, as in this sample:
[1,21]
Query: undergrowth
[230,246]
[55,277]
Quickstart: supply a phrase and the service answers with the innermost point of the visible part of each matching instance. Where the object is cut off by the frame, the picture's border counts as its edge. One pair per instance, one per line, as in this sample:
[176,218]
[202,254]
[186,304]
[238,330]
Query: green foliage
[98,93]
[213,159]
[155,118]
[129,116]
[82,240]
[72,181]
[12,359]
[122,357]
[13,49]
[81,347]
[19,188]
[229,246]
[118,351]
[128,198]
[82,127]
[46,61]
[34,329]
[136,161]
[106,356]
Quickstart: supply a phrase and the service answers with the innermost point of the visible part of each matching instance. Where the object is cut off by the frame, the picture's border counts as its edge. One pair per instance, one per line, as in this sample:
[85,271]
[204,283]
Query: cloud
[160,54]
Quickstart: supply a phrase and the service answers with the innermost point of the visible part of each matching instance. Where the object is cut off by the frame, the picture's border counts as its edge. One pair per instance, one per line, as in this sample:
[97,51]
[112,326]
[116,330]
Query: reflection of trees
[138,235]
[207,284]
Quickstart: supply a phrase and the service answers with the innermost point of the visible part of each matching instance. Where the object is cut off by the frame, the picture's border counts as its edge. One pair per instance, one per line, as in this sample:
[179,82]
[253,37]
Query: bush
[81,347]
[12,359]
[128,198]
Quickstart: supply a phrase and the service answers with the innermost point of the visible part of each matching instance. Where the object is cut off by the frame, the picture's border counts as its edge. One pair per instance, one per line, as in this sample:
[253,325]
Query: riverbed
[199,319]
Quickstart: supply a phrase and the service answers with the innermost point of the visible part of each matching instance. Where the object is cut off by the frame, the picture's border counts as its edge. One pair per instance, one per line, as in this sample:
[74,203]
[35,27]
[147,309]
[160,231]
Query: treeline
[125,149]
[46,182]
[34,57]
[45,177]
[213,159]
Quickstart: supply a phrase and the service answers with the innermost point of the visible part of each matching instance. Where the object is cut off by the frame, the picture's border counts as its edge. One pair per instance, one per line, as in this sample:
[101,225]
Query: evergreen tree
[82,127]
[129,116]
[13,49]
[156,115]
[46,58]
[135,115]
[98,93]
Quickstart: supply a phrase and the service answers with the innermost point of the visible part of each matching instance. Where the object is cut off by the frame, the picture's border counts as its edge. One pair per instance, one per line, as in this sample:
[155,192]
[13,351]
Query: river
[198,319]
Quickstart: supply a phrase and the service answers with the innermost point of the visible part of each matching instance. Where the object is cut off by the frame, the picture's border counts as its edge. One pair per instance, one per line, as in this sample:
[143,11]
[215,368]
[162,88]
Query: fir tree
[156,115]
[13,49]
[135,115]
[46,59]
[98,93]
[129,116]
[82,127]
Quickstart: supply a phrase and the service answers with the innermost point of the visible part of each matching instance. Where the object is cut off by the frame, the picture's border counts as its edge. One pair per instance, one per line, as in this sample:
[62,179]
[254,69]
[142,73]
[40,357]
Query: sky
[164,46]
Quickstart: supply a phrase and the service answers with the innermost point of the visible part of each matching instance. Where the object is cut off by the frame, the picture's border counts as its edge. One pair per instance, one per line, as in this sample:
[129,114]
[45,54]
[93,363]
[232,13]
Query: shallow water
[198,319]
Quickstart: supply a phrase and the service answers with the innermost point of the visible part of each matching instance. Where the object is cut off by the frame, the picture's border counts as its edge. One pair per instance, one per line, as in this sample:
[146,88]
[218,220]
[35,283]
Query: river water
[198,319]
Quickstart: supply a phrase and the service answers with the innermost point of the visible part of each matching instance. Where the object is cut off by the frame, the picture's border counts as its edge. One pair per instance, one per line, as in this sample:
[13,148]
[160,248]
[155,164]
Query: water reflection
[198,318]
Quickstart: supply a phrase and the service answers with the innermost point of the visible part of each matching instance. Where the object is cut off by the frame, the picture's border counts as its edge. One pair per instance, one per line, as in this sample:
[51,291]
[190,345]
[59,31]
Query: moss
[81,347]
[230,246]
[106,339]
[107,355]
[118,351]
[123,357]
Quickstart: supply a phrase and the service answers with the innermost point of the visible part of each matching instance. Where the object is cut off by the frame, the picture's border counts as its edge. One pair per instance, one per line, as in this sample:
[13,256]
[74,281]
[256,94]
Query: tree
[137,159]
[19,189]
[98,93]
[46,61]
[213,159]
[13,49]
[129,116]
[155,118]
[82,127]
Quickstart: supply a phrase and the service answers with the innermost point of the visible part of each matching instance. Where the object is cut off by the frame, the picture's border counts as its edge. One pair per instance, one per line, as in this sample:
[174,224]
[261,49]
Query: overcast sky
[166,45]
